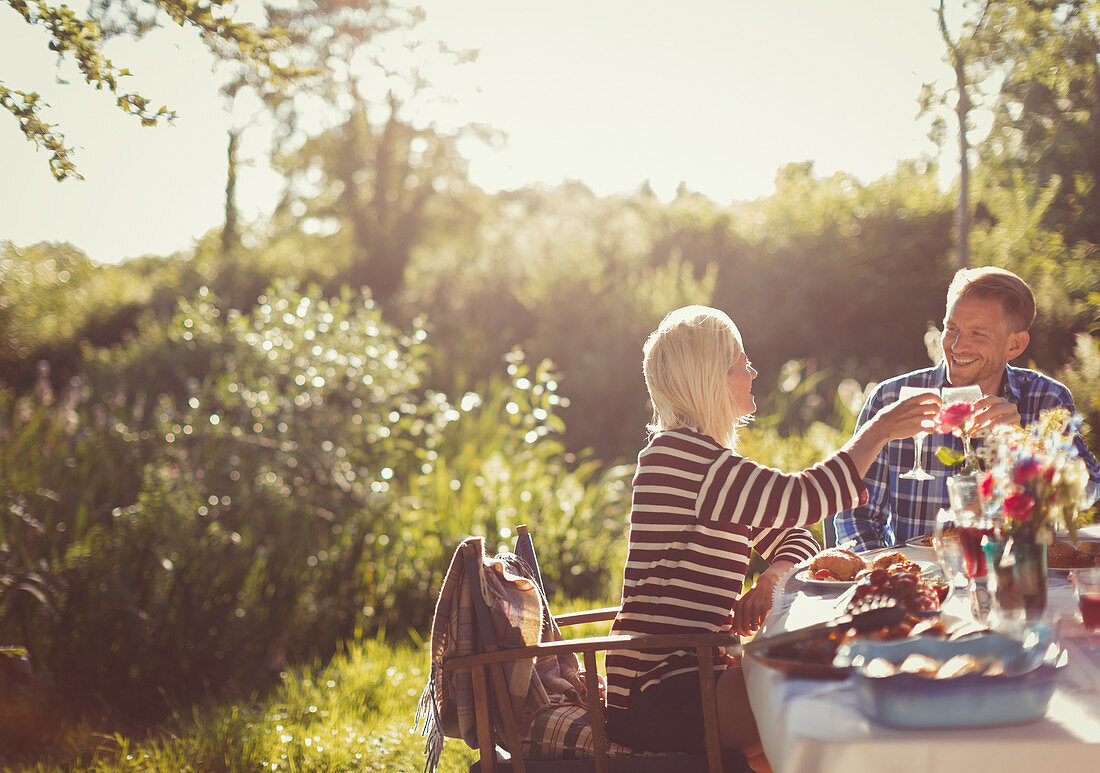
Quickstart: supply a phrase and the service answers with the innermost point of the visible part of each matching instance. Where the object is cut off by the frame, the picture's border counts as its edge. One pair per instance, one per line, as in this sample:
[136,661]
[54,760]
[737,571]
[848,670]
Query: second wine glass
[918,472]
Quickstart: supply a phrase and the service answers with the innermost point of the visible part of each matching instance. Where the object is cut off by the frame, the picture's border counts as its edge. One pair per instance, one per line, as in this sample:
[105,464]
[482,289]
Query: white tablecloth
[815,726]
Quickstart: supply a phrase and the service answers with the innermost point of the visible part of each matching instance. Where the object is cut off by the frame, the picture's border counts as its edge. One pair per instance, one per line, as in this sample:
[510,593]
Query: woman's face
[739,380]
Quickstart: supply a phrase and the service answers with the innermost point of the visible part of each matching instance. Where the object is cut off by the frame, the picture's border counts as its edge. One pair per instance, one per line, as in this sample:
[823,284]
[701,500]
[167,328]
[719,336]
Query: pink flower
[951,417]
[1018,506]
[985,485]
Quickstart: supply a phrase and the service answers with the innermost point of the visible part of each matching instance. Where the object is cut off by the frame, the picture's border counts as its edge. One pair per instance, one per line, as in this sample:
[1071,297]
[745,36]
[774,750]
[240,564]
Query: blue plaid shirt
[898,509]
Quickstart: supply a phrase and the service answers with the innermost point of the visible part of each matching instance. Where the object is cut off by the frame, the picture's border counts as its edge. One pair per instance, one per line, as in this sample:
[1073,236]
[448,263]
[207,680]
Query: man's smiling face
[978,343]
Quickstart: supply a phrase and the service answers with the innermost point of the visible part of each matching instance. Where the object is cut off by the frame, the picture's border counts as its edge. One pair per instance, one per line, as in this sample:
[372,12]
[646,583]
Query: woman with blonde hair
[697,511]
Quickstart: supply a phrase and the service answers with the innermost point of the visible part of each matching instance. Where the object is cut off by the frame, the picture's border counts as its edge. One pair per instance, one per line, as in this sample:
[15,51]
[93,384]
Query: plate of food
[812,655]
[832,568]
[839,568]
[892,558]
[921,595]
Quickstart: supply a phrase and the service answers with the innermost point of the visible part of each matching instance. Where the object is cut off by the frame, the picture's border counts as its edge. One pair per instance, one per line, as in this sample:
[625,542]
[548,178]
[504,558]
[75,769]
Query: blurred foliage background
[219,463]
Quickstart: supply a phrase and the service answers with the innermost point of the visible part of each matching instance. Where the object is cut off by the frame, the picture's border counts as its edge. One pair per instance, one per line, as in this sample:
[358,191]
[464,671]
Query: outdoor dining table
[814,725]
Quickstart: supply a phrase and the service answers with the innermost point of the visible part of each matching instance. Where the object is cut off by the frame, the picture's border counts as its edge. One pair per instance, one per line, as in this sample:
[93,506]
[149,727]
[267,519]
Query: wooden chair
[491,694]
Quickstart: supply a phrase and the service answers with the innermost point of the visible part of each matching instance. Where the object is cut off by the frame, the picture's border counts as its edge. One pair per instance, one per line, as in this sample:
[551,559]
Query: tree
[961,60]
[369,176]
[369,184]
[83,39]
[1047,123]
[280,99]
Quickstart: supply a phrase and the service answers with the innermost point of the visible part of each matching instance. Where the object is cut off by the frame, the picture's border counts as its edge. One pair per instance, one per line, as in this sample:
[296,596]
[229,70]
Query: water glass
[949,554]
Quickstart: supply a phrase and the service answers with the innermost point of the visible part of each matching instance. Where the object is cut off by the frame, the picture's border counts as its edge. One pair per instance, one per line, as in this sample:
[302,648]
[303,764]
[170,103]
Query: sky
[717,94]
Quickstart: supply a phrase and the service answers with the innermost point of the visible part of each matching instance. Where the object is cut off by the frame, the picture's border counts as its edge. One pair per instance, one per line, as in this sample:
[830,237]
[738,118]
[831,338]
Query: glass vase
[1017,579]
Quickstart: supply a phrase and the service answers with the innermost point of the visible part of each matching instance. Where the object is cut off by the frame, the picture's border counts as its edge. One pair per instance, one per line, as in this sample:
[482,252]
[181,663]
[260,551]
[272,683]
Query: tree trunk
[387,260]
[962,110]
[1094,195]
[231,237]
[350,201]
[962,213]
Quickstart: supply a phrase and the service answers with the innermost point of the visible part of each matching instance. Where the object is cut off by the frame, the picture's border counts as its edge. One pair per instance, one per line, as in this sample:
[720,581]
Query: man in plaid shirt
[989,311]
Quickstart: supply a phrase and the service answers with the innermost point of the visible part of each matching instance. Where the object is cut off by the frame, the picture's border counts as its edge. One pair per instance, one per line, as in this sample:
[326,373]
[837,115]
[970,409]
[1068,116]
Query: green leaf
[949,456]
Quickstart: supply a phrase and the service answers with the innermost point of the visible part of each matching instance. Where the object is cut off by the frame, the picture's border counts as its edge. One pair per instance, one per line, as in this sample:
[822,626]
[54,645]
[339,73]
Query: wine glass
[917,473]
[970,522]
[965,394]
[1086,589]
[971,526]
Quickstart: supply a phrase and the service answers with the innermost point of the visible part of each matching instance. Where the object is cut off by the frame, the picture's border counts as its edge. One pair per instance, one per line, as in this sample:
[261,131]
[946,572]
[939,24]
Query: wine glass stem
[918,452]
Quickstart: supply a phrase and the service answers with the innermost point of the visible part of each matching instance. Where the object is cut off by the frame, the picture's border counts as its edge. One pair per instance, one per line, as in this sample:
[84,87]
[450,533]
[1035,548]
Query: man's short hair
[999,284]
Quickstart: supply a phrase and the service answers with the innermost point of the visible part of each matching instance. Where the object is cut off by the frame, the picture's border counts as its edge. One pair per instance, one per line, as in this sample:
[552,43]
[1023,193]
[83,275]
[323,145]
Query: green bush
[501,463]
[210,517]
[227,493]
[1082,376]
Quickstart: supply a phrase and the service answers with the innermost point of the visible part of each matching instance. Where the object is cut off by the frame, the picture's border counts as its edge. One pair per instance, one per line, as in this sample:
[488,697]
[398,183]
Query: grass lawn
[354,714]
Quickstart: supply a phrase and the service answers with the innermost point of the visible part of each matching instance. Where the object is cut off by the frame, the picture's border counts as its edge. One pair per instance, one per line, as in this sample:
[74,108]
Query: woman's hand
[905,418]
[901,419]
[755,605]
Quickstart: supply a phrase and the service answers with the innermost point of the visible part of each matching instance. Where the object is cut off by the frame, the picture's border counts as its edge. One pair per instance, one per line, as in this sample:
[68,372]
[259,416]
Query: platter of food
[982,680]
[811,655]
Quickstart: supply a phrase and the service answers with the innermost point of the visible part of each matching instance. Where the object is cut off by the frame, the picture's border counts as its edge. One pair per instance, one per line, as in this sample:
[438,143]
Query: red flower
[1018,506]
[1026,470]
[951,417]
[985,485]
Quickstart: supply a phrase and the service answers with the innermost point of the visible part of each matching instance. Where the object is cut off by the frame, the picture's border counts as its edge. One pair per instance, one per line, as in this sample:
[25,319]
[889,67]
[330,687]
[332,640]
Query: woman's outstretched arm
[902,419]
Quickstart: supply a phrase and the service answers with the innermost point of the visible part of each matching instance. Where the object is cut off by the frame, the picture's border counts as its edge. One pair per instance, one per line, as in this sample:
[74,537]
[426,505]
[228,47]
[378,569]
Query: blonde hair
[686,360]
[997,284]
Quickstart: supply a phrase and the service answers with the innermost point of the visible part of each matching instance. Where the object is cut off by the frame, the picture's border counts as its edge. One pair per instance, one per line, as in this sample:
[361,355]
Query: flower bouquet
[1035,483]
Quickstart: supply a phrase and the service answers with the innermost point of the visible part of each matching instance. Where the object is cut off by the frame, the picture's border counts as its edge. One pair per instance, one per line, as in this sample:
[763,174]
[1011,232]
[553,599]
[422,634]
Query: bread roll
[844,564]
[886,560]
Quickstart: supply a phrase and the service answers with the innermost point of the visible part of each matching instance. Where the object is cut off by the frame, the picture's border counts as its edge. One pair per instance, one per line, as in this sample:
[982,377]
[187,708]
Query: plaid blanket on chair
[552,717]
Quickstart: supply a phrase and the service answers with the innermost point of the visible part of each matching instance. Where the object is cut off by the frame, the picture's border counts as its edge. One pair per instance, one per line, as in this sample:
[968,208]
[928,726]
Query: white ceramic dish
[804,576]
[1022,694]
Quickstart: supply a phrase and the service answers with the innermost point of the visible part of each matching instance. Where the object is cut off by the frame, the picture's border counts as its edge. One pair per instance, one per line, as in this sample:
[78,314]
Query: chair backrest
[455,703]
[525,549]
